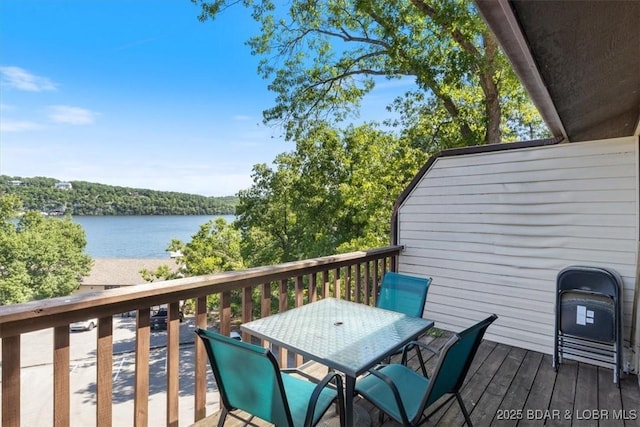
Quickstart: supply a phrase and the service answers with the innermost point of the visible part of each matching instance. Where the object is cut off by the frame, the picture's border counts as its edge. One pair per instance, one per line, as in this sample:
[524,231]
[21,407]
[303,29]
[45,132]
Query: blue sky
[136,93]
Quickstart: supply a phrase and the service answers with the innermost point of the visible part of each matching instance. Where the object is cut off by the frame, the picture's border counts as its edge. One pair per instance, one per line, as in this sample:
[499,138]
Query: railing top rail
[20,318]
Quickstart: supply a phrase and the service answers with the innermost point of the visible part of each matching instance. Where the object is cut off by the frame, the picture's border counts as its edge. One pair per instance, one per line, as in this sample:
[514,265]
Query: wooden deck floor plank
[586,394]
[540,395]
[563,396]
[476,386]
[609,400]
[485,349]
[490,401]
[512,406]
[630,400]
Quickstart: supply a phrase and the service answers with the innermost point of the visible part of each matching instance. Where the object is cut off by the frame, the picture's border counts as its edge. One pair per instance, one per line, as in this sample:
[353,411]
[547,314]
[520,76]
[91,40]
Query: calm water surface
[138,236]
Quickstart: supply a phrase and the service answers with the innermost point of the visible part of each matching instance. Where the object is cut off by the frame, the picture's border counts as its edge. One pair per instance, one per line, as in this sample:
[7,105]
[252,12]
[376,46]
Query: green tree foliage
[323,57]
[86,198]
[40,257]
[213,249]
[334,193]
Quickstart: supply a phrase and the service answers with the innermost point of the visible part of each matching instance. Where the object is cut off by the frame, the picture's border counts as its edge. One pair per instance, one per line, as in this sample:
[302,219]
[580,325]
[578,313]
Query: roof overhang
[579,61]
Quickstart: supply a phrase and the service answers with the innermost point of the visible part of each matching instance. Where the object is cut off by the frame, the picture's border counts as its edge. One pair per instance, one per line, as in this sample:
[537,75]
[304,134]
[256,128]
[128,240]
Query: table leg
[348,399]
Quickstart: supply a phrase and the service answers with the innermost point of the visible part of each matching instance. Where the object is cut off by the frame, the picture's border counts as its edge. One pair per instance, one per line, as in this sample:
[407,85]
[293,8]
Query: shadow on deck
[508,386]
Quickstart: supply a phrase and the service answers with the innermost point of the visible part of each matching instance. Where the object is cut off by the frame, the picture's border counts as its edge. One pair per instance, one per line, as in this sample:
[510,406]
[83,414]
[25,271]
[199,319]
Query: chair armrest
[421,345]
[325,382]
[301,373]
[394,390]
[417,345]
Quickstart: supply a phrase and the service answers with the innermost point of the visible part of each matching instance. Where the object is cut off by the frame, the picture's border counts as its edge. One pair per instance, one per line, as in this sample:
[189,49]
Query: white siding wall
[494,229]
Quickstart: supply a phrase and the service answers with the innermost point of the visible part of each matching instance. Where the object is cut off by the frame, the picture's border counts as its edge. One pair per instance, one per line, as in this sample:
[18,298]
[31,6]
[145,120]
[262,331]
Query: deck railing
[354,276]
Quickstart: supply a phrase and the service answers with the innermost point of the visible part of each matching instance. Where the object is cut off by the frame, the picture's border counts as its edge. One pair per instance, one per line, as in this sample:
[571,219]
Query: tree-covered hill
[88,198]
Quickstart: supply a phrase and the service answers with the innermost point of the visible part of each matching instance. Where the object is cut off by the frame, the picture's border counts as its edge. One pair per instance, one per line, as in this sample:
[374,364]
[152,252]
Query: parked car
[159,319]
[84,325]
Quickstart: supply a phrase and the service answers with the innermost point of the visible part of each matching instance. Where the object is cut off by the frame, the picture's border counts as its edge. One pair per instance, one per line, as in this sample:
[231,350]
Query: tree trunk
[493,109]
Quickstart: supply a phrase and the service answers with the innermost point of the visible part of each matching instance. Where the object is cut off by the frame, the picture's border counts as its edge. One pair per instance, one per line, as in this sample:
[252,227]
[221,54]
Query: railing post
[347,283]
[336,284]
[104,416]
[61,388]
[265,301]
[247,309]
[11,381]
[299,297]
[283,306]
[173,366]
[325,284]
[200,368]
[367,284]
[358,283]
[225,313]
[376,281]
[141,398]
[313,286]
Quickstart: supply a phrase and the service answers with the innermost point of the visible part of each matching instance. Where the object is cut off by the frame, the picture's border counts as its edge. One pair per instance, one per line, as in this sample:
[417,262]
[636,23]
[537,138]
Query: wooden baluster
[61,387]
[200,368]
[141,399]
[367,285]
[347,284]
[358,283]
[313,287]
[283,306]
[173,363]
[104,383]
[11,381]
[326,292]
[376,281]
[247,309]
[265,302]
[299,301]
[225,313]
[265,306]
[336,284]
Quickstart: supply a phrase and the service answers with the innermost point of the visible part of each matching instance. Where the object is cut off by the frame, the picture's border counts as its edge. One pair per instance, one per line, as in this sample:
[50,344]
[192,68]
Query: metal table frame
[342,335]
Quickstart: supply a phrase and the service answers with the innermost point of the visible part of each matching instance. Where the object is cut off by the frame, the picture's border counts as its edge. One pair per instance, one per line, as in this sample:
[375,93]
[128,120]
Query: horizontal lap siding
[494,229]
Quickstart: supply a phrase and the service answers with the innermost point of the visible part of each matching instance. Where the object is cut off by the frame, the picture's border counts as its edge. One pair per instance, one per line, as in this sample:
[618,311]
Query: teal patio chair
[404,294]
[404,394]
[249,379]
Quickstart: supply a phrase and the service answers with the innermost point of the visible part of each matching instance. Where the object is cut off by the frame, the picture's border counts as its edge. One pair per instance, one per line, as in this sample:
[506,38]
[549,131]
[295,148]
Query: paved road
[37,375]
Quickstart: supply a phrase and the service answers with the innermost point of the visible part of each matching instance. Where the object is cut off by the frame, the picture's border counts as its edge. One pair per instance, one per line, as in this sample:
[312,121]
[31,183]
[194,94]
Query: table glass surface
[343,335]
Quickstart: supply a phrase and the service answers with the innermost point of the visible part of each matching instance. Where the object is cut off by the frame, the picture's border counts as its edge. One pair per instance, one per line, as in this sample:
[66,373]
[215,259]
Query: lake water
[138,236]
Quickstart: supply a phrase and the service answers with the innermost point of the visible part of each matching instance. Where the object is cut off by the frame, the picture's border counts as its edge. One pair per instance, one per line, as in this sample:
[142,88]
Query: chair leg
[464,410]
[421,359]
[223,417]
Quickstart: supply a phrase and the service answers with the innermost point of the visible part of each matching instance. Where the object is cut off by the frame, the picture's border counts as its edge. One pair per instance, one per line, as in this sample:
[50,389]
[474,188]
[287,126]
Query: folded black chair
[249,379]
[404,394]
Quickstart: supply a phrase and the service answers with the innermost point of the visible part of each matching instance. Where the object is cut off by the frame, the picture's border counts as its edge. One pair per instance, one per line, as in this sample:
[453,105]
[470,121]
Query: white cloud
[18,78]
[71,115]
[241,118]
[8,125]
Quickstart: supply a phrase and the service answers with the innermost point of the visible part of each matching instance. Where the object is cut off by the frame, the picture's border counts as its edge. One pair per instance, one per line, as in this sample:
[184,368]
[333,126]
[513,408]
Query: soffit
[579,61]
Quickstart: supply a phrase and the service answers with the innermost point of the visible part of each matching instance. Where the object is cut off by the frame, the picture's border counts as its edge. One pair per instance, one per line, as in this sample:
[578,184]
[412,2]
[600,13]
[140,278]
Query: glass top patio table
[343,335]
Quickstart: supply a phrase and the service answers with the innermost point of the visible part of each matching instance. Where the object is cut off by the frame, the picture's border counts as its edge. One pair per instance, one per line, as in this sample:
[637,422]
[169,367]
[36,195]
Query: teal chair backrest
[455,359]
[248,378]
[404,294]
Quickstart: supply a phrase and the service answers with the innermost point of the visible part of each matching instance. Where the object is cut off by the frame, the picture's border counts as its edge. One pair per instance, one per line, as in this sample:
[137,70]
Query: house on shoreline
[110,273]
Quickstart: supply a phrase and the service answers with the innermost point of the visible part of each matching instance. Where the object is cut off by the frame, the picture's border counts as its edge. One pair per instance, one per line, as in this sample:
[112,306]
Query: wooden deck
[509,386]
